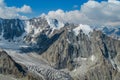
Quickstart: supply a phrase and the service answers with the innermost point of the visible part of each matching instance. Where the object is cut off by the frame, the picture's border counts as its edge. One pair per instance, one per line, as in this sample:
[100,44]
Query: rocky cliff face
[11,28]
[62,51]
[85,55]
[9,67]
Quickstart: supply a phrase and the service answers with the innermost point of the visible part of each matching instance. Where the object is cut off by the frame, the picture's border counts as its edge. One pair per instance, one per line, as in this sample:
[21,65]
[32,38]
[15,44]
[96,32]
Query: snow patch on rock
[92,58]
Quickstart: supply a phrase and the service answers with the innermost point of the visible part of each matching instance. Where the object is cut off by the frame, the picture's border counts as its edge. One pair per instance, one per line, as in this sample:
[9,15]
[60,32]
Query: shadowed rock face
[10,28]
[9,67]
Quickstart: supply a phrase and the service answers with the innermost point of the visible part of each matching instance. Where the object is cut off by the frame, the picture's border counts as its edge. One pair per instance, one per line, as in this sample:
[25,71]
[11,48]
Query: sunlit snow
[85,28]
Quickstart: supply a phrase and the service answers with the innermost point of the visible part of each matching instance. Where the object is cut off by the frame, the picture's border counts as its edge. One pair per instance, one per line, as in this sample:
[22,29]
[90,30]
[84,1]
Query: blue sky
[44,6]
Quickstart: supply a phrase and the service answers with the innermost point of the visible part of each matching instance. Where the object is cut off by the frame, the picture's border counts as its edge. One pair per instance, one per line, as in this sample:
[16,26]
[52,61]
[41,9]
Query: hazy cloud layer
[106,13]
[13,12]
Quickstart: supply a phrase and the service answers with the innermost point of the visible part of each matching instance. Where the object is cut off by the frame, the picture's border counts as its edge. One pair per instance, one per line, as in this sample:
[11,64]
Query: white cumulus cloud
[72,16]
[25,9]
[13,12]
[105,13]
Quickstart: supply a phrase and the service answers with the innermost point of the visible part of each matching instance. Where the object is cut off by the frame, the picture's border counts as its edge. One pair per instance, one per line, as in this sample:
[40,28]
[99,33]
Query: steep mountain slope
[46,49]
[79,54]
[9,67]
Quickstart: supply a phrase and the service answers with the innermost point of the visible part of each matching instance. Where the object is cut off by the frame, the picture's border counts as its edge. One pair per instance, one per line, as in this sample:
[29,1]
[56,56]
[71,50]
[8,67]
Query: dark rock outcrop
[11,28]
[9,67]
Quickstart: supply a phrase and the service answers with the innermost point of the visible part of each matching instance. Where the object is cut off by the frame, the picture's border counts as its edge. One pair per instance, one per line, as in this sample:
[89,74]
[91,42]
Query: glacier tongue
[37,65]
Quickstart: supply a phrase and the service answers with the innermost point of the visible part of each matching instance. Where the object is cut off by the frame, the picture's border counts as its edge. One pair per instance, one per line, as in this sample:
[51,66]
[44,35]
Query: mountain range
[47,49]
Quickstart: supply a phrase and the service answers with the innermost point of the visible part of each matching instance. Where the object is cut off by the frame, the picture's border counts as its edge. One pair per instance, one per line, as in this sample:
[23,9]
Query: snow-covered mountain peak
[85,28]
[54,23]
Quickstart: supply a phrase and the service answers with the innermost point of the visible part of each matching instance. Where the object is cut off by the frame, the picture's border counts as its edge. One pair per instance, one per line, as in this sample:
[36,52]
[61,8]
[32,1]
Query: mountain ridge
[62,51]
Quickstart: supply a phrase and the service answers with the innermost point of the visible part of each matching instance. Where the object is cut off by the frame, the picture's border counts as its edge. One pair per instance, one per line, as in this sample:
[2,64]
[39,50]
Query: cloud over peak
[105,13]
[13,12]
